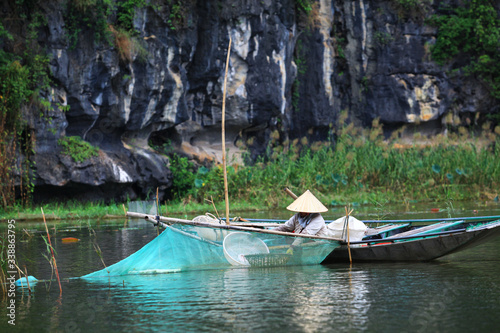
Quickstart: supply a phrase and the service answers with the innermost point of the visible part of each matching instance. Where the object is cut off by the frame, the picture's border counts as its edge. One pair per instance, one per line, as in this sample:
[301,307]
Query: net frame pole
[226,192]
[229,227]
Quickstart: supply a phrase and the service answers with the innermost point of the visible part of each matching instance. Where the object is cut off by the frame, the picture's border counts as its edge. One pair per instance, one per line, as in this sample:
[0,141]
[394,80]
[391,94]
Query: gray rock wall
[287,72]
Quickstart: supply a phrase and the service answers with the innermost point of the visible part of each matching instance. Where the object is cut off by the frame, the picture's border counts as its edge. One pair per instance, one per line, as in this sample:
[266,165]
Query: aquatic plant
[97,248]
[3,265]
[50,249]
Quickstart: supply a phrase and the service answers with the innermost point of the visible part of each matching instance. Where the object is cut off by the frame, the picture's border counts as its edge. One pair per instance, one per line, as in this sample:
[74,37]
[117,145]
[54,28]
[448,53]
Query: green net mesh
[186,247]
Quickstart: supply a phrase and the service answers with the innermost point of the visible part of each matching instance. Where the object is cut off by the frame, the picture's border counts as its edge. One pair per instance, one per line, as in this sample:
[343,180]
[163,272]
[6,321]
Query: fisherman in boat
[307,219]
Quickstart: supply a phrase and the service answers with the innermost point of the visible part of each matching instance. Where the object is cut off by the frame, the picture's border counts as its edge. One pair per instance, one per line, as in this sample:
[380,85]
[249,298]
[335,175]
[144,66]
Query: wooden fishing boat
[411,240]
[417,240]
[204,244]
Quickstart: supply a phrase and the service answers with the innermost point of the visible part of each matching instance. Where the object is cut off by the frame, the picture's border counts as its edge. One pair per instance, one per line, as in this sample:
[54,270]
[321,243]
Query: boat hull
[417,249]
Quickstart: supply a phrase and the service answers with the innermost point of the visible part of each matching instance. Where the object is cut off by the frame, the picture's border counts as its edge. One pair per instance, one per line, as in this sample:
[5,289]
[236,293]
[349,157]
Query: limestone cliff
[289,71]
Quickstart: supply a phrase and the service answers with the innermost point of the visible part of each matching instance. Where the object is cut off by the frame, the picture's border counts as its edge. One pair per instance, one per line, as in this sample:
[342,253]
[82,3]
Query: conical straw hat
[307,203]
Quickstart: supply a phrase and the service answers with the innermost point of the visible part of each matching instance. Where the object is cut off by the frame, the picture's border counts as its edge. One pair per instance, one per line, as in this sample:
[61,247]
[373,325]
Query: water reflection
[366,297]
[294,298]
[458,293]
[326,296]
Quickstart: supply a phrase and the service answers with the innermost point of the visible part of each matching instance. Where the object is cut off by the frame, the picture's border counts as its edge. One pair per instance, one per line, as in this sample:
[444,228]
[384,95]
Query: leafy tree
[472,33]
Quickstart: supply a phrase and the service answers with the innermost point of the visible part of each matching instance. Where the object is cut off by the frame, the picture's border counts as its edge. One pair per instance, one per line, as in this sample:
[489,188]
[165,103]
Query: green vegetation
[307,12]
[3,265]
[360,167]
[365,82]
[412,8]
[179,10]
[383,38]
[339,48]
[471,33]
[24,73]
[78,149]
[304,5]
[409,4]
[126,11]
[110,21]
[65,211]
[184,176]
[301,63]
[78,210]
[88,15]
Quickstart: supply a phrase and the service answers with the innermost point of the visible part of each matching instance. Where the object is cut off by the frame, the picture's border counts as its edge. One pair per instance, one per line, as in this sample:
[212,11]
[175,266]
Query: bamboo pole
[226,192]
[149,219]
[157,213]
[290,193]
[52,251]
[228,227]
[215,208]
[347,213]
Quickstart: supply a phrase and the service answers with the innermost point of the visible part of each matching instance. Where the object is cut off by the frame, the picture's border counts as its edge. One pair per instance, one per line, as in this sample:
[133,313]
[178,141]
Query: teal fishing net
[185,247]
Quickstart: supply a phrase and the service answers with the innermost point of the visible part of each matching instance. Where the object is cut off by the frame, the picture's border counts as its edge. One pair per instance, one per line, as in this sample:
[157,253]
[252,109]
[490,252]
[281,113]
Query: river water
[458,293]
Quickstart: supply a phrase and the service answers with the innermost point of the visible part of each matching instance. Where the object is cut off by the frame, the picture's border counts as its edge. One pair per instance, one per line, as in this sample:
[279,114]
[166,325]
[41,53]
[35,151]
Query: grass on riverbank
[64,211]
[362,167]
[97,210]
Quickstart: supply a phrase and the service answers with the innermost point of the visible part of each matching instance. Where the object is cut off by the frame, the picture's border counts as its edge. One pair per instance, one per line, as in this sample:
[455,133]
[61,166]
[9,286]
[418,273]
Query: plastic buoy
[70,240]
[23,282]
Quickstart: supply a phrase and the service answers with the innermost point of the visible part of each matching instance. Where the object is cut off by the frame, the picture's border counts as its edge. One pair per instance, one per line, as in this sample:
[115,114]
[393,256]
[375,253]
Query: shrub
[77,149]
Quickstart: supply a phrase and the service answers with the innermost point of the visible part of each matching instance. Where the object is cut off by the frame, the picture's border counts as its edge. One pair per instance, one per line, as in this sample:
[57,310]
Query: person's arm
[316,225]
[288,226]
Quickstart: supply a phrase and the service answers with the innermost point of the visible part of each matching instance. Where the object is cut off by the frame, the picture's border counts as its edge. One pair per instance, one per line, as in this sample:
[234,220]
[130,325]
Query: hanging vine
[24,73]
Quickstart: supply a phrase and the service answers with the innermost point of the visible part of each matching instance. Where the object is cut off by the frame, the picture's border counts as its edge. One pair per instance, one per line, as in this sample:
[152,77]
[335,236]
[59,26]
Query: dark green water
[458,293]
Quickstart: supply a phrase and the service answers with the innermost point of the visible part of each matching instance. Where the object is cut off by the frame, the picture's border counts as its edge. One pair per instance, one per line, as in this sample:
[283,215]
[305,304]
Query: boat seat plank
[427,229]
[384,229]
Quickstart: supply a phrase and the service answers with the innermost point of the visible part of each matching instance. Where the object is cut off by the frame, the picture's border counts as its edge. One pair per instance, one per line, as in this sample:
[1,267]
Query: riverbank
[75,210]
[359,167]
[101,211]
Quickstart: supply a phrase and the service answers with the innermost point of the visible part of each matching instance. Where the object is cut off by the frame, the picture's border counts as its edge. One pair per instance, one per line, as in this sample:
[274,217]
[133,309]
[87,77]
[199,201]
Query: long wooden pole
[226,192]
[347,213]
[228,227]
[290,193]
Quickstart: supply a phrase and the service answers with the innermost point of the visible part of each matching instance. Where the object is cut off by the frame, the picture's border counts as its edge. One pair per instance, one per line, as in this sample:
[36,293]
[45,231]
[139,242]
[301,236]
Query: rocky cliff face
[288,71]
